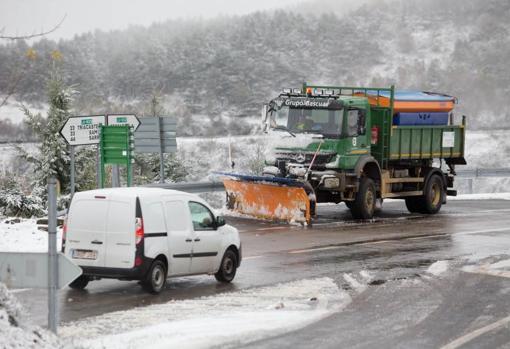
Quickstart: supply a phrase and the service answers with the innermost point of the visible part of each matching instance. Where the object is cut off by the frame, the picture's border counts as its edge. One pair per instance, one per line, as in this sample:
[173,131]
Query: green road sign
[116,145]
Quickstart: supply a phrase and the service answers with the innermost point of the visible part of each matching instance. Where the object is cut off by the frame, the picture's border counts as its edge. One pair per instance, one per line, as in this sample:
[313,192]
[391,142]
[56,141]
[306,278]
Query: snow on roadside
[484,196]
[438,268]
[25,237]
[229,319]
[14,332]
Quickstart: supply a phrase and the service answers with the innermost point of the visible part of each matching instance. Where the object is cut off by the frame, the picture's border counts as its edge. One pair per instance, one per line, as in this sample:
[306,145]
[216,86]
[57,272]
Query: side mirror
[220,221]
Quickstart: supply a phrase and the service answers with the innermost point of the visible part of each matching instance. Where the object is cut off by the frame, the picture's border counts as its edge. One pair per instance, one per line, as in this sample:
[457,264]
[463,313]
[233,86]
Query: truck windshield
[326,122]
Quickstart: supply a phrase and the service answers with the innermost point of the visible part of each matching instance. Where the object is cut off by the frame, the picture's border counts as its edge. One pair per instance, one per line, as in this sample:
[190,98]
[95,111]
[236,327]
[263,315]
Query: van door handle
[188,240]
[96,242]
[197,240]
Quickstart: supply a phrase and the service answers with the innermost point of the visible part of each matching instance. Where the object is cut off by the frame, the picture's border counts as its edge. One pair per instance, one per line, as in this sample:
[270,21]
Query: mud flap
[268,200]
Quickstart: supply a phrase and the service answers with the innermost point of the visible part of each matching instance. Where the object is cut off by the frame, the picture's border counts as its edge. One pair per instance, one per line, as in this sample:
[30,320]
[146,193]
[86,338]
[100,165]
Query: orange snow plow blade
[269,201]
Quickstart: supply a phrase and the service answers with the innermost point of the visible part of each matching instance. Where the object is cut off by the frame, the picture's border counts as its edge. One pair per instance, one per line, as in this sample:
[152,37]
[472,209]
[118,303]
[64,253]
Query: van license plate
[84,254]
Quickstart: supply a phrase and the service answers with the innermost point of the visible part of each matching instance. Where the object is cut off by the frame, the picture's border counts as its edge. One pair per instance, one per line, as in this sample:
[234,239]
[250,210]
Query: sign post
[52,255]
[157,135]
[50,270]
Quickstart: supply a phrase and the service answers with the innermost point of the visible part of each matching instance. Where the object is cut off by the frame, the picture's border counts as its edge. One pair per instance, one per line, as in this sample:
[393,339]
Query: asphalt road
[396,301]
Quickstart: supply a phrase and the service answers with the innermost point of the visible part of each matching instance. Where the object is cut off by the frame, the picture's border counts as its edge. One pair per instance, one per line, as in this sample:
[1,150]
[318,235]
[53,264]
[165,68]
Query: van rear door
[120,234]
[86,236]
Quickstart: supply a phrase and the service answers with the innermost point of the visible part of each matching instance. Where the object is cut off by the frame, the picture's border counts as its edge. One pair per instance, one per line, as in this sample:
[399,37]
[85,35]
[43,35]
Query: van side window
[178,218]
[201,216]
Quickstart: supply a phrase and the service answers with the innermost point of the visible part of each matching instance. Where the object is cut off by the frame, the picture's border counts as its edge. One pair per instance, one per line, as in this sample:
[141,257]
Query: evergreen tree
[52,158]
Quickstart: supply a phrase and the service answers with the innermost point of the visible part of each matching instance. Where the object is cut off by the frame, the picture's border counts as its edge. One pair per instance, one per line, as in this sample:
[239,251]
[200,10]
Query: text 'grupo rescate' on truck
[357,145]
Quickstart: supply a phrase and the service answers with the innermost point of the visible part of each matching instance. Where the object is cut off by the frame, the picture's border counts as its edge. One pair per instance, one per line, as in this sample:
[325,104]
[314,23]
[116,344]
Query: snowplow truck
[357,145]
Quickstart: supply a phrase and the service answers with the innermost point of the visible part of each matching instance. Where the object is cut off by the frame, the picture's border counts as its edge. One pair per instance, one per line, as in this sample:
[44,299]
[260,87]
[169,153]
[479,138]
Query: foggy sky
[19,17]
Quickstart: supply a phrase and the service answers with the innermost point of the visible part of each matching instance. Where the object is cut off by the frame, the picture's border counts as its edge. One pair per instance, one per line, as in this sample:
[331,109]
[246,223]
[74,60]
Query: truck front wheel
[364,205]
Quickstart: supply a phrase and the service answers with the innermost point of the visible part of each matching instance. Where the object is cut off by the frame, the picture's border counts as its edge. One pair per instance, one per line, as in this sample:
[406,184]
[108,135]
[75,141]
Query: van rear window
[89,215]
[121,217]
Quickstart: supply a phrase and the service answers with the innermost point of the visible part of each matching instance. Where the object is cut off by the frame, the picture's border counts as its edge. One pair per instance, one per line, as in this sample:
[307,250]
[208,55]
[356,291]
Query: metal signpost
[157,135]
[50,270]
[81,130]
[116,144]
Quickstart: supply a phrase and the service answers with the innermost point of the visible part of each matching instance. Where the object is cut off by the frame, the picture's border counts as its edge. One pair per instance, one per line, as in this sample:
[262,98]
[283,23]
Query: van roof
[131,192]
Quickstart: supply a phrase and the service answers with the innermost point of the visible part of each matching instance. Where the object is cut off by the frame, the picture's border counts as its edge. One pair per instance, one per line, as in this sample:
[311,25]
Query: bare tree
[31,36]
[19,71]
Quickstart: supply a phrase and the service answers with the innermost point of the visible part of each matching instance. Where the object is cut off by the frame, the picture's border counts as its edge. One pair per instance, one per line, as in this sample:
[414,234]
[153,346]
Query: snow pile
[25,237]
[14,333]
[438,268]
[230,319]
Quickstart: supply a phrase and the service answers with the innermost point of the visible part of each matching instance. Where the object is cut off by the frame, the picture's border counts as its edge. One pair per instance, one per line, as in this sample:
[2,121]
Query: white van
[148,234]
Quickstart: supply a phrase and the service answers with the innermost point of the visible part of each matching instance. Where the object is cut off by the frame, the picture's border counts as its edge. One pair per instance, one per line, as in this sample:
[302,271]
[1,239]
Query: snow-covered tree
[52,158]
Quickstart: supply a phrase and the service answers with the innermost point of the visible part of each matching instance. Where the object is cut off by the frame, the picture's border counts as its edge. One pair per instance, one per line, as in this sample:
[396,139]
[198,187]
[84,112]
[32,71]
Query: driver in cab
[304,123]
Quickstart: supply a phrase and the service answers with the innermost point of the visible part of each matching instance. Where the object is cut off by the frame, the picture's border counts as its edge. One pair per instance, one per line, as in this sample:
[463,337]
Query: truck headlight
[331,182]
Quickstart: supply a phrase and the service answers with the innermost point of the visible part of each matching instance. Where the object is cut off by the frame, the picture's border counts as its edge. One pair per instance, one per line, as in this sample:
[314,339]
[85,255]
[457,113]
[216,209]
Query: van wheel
[228,267]
[80,283]
[364,205]
[156,278]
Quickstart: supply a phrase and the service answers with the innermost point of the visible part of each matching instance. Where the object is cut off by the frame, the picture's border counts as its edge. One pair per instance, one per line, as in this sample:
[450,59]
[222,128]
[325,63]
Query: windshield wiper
[279,127]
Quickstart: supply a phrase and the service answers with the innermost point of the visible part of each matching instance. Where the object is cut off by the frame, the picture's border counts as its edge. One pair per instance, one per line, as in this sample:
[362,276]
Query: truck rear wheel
[413,204]
[433,195]
[431,200]
[364,205]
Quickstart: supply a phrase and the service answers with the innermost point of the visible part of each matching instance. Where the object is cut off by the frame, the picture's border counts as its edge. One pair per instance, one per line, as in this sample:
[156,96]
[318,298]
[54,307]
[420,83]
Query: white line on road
[252,257]
[476,333]
[493,230]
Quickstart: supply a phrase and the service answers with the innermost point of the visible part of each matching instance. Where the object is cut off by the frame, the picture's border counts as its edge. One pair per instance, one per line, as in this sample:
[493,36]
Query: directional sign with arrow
[123,119]
[82,130]
[30,269]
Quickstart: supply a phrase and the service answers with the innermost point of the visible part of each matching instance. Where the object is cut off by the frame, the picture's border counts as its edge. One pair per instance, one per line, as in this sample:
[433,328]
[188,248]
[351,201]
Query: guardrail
[484,172]
[209,187]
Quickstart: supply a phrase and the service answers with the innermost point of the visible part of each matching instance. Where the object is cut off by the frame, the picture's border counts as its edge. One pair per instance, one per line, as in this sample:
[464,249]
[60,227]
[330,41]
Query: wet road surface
[382,263]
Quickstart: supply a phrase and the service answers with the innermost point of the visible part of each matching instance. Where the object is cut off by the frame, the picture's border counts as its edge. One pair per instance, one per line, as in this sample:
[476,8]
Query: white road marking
[483,231]
[272,228]
[476,333]
[362,243]
[316,249]
[252,257]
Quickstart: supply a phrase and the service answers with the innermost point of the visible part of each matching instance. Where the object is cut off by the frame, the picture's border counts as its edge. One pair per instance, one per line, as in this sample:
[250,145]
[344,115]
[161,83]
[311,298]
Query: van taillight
[138,230]
[64,228]
[64,234]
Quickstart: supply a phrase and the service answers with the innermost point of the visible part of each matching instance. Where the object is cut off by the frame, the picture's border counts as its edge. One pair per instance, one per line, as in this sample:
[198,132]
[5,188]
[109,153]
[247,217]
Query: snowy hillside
[227,67]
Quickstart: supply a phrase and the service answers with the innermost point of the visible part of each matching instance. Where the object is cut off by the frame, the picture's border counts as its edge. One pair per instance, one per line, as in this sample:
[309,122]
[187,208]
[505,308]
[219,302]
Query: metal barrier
[209,187]
[205,187]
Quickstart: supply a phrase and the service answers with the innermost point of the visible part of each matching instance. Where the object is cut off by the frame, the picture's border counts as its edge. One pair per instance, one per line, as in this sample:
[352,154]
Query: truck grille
[306,157]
